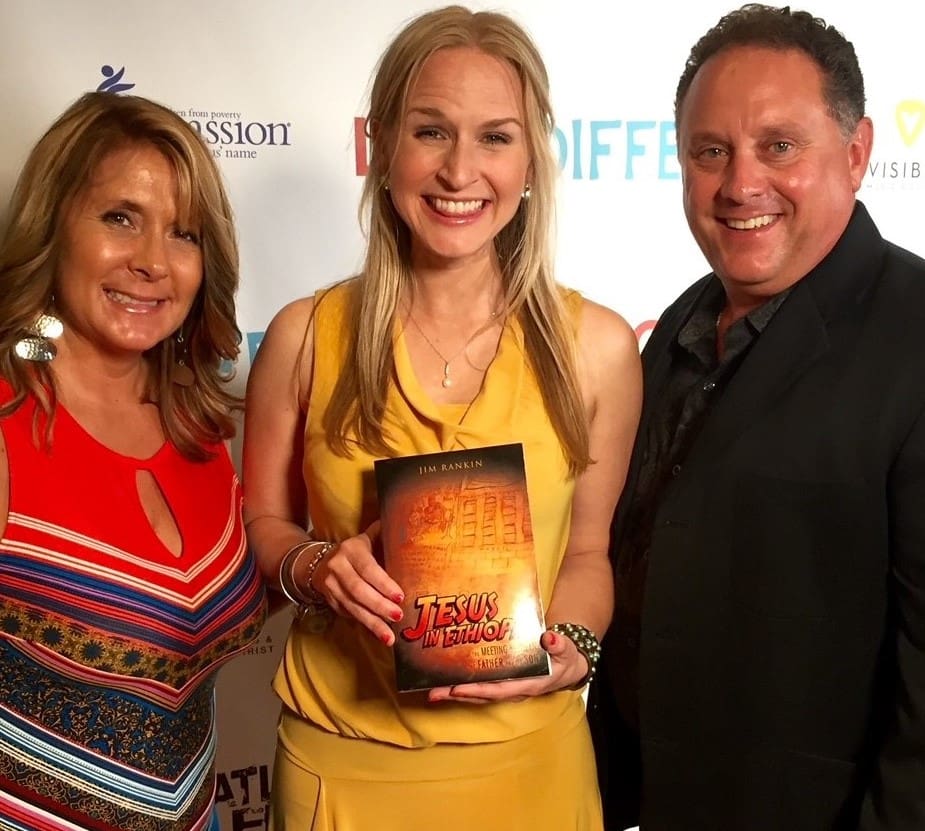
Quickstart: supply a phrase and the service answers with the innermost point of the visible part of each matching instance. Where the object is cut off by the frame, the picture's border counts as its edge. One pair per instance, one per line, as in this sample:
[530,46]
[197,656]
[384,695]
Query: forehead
[142,173]
[743,81]
[467,76]
[133,166]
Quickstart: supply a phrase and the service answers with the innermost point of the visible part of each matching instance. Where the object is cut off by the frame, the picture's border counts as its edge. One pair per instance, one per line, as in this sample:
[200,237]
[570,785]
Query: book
[457,537]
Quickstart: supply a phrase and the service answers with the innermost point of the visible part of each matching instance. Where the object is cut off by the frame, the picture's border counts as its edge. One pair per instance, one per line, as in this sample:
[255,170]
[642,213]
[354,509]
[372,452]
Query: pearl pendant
[446,382]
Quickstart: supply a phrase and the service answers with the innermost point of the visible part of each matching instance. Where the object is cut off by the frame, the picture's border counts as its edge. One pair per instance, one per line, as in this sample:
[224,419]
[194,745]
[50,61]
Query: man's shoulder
[679,310]
[691,293]
[903,261]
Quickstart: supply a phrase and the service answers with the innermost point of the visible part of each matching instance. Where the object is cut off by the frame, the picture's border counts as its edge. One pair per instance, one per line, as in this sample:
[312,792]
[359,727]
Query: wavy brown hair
[57,170]
[523,246]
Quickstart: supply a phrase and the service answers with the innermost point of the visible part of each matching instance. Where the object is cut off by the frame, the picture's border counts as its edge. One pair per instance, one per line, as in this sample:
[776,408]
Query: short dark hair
[756,24]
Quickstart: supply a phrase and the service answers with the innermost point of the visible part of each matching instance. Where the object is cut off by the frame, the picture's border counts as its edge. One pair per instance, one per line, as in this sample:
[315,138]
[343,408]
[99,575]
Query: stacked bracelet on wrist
[587,644]
[308,599]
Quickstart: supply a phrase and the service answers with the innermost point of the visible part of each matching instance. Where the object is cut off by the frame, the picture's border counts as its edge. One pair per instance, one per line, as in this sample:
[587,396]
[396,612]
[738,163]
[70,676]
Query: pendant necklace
[447,380]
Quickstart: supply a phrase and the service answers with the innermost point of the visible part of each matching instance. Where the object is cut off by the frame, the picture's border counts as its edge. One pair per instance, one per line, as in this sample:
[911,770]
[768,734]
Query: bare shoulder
[282,364]
[605,339]
[289,327]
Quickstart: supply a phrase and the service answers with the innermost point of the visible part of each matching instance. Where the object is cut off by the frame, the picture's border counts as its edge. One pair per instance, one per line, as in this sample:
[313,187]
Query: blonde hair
[530,292]
[59,167]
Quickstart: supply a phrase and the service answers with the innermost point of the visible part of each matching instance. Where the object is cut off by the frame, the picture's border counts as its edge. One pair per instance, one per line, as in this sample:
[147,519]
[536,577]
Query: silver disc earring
[37,344]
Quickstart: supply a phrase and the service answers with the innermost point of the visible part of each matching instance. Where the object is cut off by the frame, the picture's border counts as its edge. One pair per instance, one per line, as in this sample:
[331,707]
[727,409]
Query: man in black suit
[768,647]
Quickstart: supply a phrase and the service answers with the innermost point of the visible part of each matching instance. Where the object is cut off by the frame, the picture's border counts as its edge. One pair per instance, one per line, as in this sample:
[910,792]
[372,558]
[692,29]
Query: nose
[458,169]
[745,177]
[149,259]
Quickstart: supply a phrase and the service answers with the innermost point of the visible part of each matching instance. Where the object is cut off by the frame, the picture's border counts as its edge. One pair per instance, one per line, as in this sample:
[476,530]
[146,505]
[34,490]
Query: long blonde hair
[59,167]
[530,293]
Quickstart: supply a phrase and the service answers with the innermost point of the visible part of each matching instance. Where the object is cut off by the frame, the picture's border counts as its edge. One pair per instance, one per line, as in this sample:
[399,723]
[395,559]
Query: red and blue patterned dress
[109,642]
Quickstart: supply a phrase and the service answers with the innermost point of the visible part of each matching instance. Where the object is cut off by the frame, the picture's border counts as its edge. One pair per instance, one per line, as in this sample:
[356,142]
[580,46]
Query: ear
[859,148]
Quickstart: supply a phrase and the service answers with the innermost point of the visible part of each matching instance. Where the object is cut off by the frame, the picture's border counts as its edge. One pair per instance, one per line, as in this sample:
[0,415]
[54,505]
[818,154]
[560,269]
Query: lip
[753,222]
[455,210]
[131,302]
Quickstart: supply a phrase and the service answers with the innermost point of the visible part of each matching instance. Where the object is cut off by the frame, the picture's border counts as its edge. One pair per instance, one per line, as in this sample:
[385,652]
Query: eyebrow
[492,124]
[127,205]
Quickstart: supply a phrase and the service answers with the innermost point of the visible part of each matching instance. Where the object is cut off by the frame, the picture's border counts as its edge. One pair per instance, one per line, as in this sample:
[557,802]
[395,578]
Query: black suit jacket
[782,655]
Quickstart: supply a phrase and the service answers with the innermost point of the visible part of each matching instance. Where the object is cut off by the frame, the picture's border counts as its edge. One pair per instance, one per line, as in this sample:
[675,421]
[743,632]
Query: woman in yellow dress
[455,335]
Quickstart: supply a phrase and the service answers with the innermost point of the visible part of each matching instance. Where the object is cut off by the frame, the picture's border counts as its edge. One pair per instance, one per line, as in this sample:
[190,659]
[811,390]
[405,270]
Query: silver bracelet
[587,644]
[287,584]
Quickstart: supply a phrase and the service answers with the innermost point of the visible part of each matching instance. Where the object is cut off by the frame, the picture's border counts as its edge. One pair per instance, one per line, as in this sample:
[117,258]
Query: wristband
[587,644]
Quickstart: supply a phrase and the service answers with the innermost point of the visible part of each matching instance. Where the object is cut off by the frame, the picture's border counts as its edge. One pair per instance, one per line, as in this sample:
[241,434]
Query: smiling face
[769,178]
[460,160]
[129,270]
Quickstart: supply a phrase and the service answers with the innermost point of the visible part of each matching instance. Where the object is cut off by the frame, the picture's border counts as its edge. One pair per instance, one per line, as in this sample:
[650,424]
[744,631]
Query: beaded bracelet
[587,644]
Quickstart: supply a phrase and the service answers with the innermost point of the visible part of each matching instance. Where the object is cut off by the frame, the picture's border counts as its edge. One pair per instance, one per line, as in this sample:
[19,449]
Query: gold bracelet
[287,564]
[315,596]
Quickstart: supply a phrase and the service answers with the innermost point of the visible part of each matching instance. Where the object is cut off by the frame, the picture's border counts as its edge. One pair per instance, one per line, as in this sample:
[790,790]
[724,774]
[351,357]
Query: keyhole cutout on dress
[158,512]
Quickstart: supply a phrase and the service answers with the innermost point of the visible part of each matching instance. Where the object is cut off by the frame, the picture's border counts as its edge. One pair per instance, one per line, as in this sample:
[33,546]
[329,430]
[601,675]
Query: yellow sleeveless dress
[355,754]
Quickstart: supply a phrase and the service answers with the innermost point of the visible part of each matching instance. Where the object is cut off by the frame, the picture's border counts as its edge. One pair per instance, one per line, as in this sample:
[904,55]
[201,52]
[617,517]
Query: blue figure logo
[112,79]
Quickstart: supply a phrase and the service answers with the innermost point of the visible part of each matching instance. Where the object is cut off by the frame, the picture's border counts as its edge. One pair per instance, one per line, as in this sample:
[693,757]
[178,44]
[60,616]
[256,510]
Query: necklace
[447,380]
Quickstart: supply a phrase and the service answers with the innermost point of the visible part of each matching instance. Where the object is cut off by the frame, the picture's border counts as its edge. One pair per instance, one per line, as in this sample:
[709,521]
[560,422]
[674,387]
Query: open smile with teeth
[751,223]
[454,207]
[128,300]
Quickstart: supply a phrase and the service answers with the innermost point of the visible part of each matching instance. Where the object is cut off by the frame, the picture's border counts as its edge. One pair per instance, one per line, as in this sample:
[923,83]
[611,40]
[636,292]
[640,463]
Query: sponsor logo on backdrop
[112,80]
[643,330]
[902,171]
[592,149]
[245,793]
[230,133]
[261,646]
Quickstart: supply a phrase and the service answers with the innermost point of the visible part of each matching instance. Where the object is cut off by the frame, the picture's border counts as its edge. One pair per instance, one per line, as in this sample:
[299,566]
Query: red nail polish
[386,638]
[552,639]
[398,597]
[396,615]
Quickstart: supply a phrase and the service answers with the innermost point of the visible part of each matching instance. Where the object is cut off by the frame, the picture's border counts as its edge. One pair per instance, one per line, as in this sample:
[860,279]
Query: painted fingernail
[386,638]
[398,597]
[552,640]
[396,615]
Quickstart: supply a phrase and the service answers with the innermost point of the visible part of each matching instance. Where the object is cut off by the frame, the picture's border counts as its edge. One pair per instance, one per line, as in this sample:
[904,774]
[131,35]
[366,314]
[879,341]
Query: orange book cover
[457,537]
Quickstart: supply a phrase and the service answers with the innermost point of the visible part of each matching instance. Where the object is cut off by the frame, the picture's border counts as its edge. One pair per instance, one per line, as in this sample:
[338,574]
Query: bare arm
[274,423]
[611,377]
[275,502]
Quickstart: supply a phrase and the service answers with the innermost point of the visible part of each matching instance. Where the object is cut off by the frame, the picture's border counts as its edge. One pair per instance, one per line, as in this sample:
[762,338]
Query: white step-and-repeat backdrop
[277,86]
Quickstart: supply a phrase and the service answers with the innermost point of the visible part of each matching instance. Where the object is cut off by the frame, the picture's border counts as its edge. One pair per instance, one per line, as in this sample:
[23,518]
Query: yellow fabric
[342,679]
[544,781]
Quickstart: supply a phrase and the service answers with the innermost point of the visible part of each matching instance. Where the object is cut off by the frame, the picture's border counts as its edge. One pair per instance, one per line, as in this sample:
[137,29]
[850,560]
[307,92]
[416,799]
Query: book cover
[457,537]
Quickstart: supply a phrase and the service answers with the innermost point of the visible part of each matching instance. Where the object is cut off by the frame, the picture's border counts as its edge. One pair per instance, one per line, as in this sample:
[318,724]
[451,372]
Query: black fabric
[782,642]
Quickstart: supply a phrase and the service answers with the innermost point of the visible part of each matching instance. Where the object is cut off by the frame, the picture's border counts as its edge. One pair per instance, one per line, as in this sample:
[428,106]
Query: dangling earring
[182,373]
[526,194]
[37,344]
